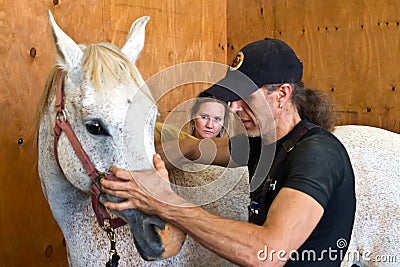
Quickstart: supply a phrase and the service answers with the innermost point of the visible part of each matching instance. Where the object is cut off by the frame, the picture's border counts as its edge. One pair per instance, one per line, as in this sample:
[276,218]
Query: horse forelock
[106,66]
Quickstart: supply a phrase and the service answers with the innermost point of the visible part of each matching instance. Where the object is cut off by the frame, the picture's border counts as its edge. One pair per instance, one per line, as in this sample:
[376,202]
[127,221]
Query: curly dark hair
[312,104]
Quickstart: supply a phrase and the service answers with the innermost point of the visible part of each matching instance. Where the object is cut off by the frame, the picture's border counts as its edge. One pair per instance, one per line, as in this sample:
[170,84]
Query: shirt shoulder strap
[283,151]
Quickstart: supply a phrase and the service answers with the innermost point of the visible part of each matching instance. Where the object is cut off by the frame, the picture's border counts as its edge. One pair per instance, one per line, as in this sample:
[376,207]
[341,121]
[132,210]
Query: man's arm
[291,218]
[213,151]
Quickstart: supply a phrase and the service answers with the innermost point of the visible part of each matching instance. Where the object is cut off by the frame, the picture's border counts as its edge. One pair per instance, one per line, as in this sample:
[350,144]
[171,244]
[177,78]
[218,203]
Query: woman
[208,117]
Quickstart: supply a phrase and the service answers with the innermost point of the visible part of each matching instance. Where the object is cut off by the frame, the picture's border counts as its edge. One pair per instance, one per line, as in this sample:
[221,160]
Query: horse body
[375,156]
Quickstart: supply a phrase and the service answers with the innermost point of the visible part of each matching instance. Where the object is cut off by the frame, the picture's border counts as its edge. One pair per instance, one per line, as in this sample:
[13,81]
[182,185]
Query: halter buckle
[61,115]
[96,181]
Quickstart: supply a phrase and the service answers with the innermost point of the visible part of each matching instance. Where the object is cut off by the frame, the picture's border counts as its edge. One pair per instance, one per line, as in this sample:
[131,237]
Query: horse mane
[103,64]
[47,93]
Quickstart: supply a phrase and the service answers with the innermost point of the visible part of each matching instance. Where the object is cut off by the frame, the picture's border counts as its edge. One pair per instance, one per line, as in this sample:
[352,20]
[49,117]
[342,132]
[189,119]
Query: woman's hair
[312,104]
[200,100]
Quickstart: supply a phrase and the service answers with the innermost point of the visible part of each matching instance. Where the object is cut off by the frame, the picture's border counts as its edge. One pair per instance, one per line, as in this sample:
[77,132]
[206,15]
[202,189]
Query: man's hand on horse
[146,191]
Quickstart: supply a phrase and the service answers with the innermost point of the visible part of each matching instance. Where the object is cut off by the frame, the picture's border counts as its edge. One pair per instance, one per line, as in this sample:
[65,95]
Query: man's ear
[284,93]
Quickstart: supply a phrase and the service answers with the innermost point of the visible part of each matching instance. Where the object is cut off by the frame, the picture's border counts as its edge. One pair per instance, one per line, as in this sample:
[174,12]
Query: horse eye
[96,128]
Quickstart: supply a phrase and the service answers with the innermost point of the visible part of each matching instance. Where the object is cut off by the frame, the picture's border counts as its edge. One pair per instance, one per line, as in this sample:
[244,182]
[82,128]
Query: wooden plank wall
[178,31]
[350,49]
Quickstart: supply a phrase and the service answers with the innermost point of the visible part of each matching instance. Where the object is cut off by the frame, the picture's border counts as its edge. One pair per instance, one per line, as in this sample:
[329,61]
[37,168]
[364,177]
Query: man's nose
[236,106]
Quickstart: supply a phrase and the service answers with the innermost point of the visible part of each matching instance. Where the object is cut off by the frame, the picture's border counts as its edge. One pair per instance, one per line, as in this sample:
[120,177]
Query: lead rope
[114,257]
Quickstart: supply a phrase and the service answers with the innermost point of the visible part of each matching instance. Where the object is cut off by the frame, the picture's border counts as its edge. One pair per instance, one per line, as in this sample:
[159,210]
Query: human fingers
[111,186]
[160,167]
[118,193]
[160,151]
[121,173]
[128,204]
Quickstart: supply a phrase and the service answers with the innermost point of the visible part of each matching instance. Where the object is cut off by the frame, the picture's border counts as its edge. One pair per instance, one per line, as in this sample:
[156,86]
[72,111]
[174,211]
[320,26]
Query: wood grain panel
[27,227]
[27,53]
[178,31]
[349,49]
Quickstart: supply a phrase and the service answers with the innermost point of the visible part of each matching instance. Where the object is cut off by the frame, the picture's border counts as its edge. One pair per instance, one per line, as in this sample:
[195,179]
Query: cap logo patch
[237,61]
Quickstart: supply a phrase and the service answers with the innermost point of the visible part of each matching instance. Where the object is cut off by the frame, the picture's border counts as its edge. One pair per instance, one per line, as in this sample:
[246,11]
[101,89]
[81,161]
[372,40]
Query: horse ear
[69,55]
[135,42]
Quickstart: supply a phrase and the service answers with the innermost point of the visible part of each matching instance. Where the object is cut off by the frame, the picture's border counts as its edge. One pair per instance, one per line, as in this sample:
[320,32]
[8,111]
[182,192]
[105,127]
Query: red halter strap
[62,125]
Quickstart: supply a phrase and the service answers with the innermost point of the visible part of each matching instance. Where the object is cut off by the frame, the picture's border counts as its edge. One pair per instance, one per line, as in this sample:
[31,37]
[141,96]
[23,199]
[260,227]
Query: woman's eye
[96,128]
[204,116]
[218,119]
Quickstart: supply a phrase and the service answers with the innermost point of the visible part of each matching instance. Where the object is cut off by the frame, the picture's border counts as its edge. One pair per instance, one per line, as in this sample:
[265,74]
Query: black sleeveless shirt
[318,166]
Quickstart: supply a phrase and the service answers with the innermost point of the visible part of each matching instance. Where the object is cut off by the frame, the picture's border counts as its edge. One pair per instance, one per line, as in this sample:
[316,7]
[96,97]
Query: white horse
[98,83]
[375,156]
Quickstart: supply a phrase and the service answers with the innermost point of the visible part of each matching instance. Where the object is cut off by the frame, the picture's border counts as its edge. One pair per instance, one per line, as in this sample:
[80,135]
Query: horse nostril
[147,238]
[151,224]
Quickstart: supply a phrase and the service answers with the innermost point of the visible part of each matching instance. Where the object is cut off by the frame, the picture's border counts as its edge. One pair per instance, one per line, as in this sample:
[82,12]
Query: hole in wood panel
[49,251]
[32,52]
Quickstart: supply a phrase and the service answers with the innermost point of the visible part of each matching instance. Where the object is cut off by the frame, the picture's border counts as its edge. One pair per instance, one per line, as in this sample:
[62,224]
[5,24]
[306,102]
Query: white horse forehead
[111,104]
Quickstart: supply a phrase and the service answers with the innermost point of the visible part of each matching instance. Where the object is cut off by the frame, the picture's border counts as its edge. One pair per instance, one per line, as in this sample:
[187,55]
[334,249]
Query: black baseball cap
[267,61]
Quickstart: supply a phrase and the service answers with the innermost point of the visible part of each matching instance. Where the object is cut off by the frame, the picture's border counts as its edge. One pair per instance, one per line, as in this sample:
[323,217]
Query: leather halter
[62,125]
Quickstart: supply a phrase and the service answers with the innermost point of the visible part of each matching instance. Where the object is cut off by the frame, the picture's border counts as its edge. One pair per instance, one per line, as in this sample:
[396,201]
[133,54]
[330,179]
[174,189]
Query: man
[305,205]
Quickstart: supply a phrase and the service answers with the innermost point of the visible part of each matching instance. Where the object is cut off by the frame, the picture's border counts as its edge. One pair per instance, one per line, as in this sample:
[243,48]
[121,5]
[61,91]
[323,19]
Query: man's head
[267,61]
[261,75]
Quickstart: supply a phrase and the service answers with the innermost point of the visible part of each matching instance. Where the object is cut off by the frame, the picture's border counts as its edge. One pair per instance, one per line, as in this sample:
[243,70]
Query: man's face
[258,108]
[247,117]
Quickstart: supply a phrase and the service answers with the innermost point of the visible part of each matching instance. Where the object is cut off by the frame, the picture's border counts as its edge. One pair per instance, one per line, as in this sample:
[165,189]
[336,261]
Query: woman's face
[208,120]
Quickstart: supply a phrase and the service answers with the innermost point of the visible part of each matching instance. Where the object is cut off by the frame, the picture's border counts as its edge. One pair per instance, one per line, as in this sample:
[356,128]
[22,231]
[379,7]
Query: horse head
[101,85]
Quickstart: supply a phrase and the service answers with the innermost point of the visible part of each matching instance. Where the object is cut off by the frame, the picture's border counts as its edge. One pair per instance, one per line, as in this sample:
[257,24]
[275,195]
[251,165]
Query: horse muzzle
[154,238]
